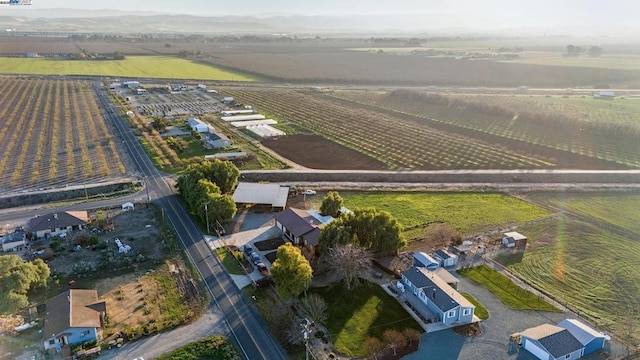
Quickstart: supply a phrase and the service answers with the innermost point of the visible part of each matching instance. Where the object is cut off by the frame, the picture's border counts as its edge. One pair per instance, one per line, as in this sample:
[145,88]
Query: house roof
[581,331]
[58,220]
[539,332]
[74,308]
[424,258]
[193,122]
[16,236]
[297,221]
[213,136]
[264,194]
[515,235]
[444,254]
[436,289]
[556,340]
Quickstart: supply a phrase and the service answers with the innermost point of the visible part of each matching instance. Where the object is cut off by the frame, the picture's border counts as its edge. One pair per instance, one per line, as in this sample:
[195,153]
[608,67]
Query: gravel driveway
[494,342]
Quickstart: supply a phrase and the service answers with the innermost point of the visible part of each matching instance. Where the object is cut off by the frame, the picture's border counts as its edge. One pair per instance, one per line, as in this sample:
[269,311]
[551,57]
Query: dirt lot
[130,227]
[318,153]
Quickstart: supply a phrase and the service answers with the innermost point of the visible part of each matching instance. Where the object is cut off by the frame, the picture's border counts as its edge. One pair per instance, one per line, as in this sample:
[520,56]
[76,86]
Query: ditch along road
[247,327]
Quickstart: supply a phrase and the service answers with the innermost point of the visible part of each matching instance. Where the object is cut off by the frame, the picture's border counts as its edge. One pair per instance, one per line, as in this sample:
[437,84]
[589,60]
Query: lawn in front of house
[365,311]
[506,290]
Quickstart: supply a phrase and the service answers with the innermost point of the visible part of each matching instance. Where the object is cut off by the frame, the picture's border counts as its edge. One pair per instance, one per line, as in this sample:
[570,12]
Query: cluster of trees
[205,189]
[372,229]
[573,50]
[17,278]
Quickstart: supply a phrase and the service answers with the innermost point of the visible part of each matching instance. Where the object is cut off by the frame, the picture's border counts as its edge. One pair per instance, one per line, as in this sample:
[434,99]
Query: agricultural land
[52,133]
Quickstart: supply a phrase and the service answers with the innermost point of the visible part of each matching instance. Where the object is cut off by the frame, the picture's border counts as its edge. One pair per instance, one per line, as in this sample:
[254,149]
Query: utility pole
[305,335]
[146,185]
[206,215]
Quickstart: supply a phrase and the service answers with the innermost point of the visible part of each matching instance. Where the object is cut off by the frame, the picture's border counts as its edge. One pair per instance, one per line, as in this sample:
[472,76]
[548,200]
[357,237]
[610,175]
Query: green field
[506,290]
[131,66]
[468,213]
[590,270]
[368,313]
[619,209]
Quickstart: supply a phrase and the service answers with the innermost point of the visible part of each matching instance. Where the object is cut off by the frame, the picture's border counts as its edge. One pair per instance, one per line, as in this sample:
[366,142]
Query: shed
[271,196]
[198,125]
[445,258]
[591,339]
[513,239]
[421,259]
[550,342]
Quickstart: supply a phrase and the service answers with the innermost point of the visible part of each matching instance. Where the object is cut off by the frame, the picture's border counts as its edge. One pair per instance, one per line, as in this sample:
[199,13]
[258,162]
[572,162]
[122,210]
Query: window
[466,312]
[568,356]
[52,342]
[451,313]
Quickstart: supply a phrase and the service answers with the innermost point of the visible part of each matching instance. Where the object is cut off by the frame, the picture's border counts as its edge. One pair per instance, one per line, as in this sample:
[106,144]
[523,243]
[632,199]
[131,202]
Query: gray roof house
[14,240]
[55,223]
[299,227]
[551,342]
[214,140]
[433,300]
[591,339]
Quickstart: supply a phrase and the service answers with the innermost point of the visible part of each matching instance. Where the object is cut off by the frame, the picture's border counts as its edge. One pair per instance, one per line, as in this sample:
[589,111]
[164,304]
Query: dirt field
[318,153]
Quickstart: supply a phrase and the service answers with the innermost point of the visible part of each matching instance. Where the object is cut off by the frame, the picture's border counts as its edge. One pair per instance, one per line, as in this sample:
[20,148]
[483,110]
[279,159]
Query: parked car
[255,258]
[248,250]
[262,268]
[309,192]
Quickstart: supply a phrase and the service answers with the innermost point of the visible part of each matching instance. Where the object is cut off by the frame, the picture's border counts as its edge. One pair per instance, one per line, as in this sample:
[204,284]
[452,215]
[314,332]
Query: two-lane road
[247,327]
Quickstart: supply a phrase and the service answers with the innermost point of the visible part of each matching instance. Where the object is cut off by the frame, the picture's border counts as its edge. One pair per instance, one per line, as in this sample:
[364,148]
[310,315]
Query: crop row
[52,133]
[575,126]
[397,142]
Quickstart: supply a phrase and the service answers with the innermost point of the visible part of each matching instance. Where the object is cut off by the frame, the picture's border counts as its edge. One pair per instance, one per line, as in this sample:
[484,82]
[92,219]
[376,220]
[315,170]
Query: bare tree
[349,262]
[394,338]
[411,334]
[373,345]
[443,233]
[314,308]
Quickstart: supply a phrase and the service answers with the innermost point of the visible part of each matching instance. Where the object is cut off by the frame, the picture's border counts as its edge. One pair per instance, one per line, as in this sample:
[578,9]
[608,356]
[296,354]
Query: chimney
[433,294]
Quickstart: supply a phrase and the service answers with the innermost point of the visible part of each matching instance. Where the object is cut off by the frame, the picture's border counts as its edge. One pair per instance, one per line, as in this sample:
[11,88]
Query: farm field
[397,142]
[131,66]
[588,269]
[606,61]
[52,133]
[573,132]
[469,213]
[618,209]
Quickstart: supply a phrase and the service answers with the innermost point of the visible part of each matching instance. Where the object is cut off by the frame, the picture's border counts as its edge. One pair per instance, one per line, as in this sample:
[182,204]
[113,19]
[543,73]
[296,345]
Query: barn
[198,125]
[514,239]
[271,197]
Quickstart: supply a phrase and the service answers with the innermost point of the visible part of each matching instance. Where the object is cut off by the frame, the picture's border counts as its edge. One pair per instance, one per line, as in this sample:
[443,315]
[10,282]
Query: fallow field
[397,142]
[52,133]
[574,132]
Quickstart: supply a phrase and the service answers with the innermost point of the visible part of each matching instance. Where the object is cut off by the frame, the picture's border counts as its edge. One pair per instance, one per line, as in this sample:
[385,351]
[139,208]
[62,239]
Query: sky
[549,14]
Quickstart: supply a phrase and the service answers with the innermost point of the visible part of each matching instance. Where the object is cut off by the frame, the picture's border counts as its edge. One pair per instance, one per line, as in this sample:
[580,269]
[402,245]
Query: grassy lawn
[229,261]
[131,66]
[509,293]
[467,212]
[213,347]
[619,209]
[480,311]
[365,312]
[592,271]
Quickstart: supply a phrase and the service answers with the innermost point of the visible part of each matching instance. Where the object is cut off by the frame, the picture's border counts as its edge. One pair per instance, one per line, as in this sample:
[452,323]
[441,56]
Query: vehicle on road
[309,192]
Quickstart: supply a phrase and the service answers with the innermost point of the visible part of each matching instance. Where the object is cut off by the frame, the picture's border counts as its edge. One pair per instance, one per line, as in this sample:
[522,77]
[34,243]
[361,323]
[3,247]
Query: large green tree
[372,229]
[17,278]
[291,272]
[331,204]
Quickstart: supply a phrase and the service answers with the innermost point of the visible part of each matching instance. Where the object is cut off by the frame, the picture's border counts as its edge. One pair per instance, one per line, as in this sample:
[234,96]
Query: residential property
[445,258]
[300,228]
[54,224]
[551,342]
[433,299]
[198,125]
[570,339]
[73,317]
[214,140]
[267,196]
[16,240]
[514,239]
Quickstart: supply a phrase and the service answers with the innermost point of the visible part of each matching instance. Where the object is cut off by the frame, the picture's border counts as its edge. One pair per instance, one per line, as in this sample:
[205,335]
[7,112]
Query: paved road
[247,327]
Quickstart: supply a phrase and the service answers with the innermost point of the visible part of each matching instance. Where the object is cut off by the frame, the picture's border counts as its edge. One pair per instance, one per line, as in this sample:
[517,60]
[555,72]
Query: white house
[445,258]
[14,241]
[198,125]
[73,317]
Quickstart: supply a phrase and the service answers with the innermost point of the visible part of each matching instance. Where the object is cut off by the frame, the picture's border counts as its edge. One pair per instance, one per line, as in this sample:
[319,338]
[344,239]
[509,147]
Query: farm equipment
[117,343]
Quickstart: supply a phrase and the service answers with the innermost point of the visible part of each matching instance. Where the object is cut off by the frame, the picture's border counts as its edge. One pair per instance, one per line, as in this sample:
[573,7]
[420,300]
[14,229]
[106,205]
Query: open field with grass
[469,213]
[368,313]
[394,140]
[618,209]
[606,61]
[229,261]
[588,269]
[506,290]
[571,132]
[131,66]
[52,133]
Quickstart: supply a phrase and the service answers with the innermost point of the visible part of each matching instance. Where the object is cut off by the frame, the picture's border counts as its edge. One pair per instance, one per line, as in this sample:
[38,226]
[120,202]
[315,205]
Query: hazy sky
[498,9]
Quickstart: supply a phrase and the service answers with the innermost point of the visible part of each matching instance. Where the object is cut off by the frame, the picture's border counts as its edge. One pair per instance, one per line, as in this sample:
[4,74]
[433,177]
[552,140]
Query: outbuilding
[514,239]
[421,259]
[268,196]
[445,258]
[198,125]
